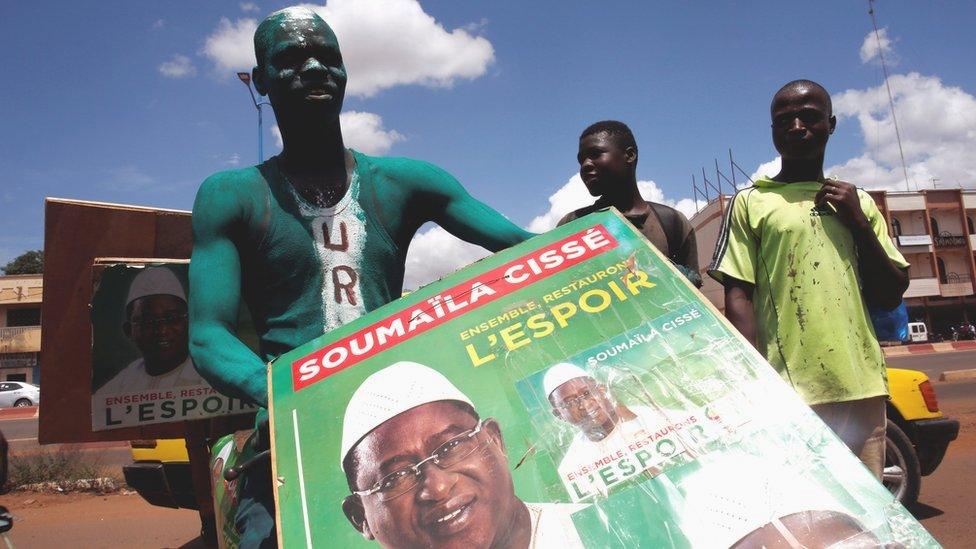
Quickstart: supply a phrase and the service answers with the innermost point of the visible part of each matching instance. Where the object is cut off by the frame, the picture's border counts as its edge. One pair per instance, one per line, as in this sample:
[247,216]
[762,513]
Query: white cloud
[873,46]
[159,23]
[573,195]
[362,131]
[276,131]
[249,6]
[938,130]
[767,169]
[231,46]
[384,43]
[570,196]
[475,28]
[434,253]
[233,160]
[179,66]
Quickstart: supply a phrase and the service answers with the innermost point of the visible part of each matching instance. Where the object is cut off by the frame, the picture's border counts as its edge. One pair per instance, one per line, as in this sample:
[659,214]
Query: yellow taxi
[160,472]
[918,433]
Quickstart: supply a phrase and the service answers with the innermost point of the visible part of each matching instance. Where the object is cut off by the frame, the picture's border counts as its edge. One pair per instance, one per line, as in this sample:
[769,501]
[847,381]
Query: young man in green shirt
[314,237]
[801,257]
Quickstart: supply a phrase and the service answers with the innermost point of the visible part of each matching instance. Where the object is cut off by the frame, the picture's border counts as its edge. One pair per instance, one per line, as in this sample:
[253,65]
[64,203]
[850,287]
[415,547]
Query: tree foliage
[31,262]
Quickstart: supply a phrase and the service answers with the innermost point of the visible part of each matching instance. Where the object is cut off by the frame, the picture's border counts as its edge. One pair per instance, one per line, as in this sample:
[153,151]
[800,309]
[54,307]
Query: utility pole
[891,101]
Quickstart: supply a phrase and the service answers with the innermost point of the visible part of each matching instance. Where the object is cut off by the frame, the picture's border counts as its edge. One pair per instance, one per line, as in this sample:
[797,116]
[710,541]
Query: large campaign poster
[572,391]
[142,372]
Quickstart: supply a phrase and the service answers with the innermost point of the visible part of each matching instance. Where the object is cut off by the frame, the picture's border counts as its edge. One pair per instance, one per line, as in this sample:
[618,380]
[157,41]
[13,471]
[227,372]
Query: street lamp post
[245,77]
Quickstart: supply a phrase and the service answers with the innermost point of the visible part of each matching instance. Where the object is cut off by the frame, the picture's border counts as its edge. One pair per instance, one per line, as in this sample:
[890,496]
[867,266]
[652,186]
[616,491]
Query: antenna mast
[891,102]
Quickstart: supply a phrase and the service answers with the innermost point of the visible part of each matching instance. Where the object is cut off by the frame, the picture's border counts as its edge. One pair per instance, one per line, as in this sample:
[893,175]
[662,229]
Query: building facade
[20,327]
[934,229]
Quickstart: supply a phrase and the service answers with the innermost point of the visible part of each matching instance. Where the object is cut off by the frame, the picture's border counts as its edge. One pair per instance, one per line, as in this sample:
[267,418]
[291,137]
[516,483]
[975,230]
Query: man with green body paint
[312,238]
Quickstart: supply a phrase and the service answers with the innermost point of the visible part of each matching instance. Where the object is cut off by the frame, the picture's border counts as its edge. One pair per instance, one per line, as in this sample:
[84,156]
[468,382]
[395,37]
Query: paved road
[934,364]
[21,434]
[946,501]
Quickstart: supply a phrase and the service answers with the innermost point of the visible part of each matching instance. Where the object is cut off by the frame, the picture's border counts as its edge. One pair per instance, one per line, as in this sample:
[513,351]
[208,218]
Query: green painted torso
[308,269]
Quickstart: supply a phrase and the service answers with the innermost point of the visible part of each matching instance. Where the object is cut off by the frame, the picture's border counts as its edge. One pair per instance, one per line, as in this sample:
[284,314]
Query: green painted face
[300,66]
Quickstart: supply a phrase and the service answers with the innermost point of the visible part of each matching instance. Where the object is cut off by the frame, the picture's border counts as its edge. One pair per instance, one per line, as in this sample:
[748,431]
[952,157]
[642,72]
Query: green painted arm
[215,295]
[469,219]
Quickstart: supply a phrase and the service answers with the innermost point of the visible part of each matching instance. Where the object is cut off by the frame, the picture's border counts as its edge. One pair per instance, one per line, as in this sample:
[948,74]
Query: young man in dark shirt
[608,166]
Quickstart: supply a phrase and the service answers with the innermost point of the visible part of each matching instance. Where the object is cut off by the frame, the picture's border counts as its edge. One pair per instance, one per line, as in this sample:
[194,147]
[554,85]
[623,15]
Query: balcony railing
[956,285]
[20,339]
[952,278]
[947,240]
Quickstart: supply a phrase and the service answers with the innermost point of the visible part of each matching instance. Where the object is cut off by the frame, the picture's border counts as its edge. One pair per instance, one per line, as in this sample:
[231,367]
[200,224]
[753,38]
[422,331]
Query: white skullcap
[559,374]
[155,281]
[390,392]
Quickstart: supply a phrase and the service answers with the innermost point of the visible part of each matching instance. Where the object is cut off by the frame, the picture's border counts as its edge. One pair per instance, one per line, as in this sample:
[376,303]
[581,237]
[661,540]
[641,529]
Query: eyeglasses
[575,402]
[153,323]
[446,455]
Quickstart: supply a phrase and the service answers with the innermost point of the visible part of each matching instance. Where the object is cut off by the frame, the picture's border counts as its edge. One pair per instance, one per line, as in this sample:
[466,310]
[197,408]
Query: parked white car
[19,393]
[917,332]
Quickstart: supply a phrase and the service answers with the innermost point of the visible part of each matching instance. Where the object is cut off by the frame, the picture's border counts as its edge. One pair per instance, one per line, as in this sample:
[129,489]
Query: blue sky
[97,103]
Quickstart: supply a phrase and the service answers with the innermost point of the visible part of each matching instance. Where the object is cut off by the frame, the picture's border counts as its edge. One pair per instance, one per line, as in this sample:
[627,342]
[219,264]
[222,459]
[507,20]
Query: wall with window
[956,267]
[947,221]
[23,316]
[910,222]
[921,266]
[20,320]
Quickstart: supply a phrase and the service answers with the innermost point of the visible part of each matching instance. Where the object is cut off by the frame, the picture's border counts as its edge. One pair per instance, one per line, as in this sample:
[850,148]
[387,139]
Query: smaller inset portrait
[605,429]
[142,372]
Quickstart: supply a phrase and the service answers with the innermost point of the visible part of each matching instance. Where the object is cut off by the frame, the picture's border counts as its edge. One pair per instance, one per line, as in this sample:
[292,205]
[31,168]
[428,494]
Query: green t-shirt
[812,320]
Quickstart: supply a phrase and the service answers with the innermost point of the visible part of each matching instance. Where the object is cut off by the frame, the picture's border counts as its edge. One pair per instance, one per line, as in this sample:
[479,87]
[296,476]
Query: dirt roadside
[88,520]
[946,502]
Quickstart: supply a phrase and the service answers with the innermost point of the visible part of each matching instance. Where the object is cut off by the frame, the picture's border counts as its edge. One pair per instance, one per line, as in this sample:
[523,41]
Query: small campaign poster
[142,372]
[572,391]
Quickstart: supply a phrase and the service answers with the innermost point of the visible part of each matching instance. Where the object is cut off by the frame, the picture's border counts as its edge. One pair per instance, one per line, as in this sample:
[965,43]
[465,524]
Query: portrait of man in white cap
[425,470]
[723,498]
[606,427]
[156,323]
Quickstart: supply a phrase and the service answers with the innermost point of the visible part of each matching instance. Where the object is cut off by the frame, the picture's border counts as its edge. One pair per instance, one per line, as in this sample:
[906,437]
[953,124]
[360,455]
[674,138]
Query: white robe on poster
[135,379]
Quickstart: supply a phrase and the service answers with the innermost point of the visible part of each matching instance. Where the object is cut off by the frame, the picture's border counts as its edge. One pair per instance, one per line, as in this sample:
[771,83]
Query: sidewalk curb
[958,375]
[928,348]
[26,412]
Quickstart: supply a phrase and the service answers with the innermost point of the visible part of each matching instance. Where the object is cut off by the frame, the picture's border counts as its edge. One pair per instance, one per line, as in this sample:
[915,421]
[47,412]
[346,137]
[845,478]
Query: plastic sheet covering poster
[572,391]
[142,372]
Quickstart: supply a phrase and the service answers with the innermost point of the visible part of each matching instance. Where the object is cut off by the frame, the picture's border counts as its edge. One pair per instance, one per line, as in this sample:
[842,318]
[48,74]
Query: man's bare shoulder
[230,195]
[239,181]
[403,169]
